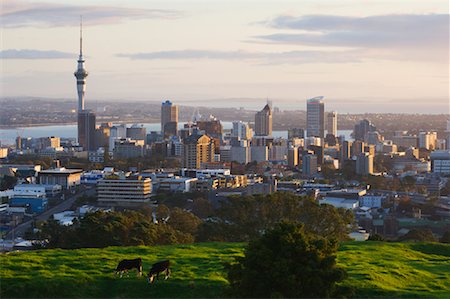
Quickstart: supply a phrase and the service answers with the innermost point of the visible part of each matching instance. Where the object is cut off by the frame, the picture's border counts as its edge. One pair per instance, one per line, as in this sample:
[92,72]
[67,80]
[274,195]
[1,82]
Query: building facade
[196,150]
[169,119]
[263,122]
[315,117]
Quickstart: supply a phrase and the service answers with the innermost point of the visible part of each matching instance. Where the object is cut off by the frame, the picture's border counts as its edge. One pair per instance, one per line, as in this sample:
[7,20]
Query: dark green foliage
[286,262]
[101,229]
[375,237]
[245,218]
[446,237]
[419,235]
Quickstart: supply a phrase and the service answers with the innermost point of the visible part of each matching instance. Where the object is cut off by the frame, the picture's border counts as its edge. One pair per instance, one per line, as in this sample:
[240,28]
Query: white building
[177,184]
[440,162]
[241,130]
[124,192]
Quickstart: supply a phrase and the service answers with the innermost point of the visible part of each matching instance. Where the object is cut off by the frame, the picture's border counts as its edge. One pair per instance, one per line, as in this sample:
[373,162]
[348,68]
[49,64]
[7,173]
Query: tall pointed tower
[86,118]
[81,73]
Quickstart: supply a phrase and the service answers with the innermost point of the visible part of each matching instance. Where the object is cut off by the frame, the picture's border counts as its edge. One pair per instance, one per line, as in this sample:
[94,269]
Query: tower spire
[81,72]
[81,35]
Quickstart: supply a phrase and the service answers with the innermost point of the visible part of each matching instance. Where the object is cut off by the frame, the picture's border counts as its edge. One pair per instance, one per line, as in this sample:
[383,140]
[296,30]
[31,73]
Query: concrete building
[309,165]
[292,156]
[259,153]
[197,149]
[332,123]
[177,184]
[241,153]
[137,132]
[66,178]
[440,162]
[296,133]
[241,130]
[406,141]
[127,148]
[428,140]
[169,119]
[86,130]
[103,133]
[124,192]
[116,132]
[263,122]
[362,128]
[315,117]
[364,164]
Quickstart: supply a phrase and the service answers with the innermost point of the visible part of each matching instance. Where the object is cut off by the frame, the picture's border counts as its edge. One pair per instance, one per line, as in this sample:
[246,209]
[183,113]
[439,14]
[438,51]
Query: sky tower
[81,73]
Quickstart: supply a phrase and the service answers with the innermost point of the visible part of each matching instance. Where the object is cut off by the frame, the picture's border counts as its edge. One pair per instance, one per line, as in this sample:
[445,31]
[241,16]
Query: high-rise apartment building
[362,128]
[428,140]
[309,165]
[315,117]
[263,122]
[169,119]
[241,130]
[364,164]
[197,149]
[332,123]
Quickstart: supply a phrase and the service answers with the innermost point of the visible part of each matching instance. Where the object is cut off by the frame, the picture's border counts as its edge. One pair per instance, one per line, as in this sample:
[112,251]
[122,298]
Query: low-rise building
[66,178]
[130,191]
[177,184]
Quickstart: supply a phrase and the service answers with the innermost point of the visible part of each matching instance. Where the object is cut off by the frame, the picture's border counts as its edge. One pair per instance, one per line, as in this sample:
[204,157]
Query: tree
[375,237]
[287,262]
[446,237]
[240,219]
[419,235]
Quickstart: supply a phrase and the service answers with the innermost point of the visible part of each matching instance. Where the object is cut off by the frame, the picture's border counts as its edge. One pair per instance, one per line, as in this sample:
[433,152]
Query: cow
[125,265]
[163,266]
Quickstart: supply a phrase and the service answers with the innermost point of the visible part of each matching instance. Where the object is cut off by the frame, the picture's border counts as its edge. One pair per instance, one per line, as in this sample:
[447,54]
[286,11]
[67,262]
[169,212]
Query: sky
[361,55]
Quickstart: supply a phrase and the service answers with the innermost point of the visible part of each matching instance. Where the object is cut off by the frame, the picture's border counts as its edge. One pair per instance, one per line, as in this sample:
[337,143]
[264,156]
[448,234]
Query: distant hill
[375,269]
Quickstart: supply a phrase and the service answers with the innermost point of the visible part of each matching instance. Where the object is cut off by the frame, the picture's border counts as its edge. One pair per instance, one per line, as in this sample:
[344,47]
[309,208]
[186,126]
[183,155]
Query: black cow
[125,265]
[157,268]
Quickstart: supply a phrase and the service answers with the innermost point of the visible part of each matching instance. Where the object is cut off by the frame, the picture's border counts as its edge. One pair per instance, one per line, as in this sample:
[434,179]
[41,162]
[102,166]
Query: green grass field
[375,269]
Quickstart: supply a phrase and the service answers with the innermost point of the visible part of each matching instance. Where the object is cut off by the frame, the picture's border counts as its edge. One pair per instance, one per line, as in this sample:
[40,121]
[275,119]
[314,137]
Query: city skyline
[362,62]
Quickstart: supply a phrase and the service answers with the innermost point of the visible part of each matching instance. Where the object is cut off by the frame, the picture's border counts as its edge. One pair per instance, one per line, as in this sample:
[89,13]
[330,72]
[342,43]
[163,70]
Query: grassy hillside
[376,269]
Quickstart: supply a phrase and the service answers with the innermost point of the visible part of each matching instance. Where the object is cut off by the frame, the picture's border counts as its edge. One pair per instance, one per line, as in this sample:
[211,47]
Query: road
[19,230]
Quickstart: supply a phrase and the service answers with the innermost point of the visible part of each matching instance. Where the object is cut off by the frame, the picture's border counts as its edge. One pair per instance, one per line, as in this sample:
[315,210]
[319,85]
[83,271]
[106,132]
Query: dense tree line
[237,219]
[248,217]
[130,228]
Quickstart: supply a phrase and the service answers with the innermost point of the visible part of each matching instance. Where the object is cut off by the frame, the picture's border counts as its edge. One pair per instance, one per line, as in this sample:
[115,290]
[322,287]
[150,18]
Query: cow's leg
[121,274]
[167,273]
[140,271]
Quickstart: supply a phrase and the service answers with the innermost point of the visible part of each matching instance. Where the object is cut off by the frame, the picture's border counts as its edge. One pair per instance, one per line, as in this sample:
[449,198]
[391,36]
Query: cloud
[34,54]
[383,31]
[290,57]
[20,13]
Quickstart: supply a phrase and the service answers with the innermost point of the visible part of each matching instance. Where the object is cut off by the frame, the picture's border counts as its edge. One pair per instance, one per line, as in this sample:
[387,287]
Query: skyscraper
[263,122]
[86,118]
[86,130]
[332,123]
[315,117]
[169,119]
[362,128]
[197,150]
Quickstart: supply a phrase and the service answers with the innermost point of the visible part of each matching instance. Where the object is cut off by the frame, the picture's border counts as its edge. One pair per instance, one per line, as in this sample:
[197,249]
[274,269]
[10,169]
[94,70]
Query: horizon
[392,57]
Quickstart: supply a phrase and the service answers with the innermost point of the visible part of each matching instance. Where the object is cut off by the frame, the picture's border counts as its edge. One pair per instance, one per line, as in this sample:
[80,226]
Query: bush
[287,262]
[419,235]
[375,237]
